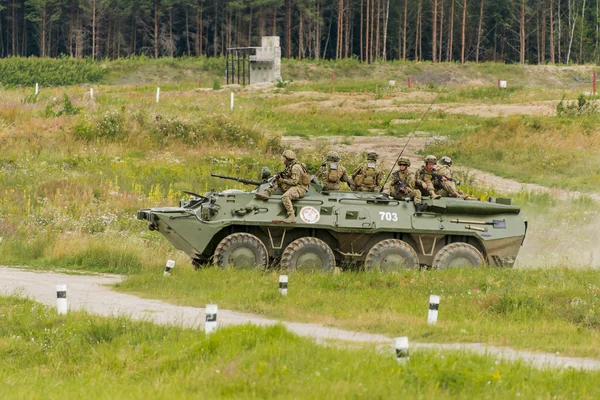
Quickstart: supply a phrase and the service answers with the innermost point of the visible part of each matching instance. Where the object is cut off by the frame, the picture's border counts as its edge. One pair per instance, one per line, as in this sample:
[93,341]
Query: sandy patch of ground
[402,102]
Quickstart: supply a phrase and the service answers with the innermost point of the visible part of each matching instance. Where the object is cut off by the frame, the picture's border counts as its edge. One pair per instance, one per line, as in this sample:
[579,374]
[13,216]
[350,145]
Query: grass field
[73,172]
[552,310]
[55,357]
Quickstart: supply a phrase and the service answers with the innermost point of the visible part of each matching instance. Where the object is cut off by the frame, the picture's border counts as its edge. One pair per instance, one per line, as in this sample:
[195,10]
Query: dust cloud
[564,236]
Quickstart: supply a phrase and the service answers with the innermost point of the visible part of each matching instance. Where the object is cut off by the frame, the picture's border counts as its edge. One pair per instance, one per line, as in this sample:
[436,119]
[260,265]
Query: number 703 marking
[388,216]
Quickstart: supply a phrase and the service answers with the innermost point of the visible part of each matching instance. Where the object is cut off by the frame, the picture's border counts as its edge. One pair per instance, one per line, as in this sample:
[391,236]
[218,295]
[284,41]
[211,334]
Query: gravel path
[90,294]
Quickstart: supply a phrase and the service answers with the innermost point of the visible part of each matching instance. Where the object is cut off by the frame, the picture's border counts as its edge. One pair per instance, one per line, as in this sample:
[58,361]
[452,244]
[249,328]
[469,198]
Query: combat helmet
[404,160]
[289,154]
[333,156]
[372,155]
[445,160]
[430,159]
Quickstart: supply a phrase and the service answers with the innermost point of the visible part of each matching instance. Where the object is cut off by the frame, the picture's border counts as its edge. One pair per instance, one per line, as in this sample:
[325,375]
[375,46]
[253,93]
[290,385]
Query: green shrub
[31,98]
[67,108]
[216,84]
[579,108]
[216,127]
[48,71]
[110,125]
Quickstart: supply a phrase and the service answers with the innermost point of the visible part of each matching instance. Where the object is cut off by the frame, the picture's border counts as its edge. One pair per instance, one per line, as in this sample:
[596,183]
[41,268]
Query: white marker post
[157,94]
[232,100]
[61,299]
[211,318]
[169,267]
[401,344]
[37,88]
[283,285]
[434,305]
[92,94]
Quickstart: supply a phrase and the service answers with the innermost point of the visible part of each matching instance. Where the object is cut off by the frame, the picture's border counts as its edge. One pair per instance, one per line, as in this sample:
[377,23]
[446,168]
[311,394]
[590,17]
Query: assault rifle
[437,179]
[402,188]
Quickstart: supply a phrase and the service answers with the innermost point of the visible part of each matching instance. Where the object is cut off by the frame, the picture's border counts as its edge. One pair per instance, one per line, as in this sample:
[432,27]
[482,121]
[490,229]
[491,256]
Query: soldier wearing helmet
[332,173]
[446,182]
[401,185]
[293,181]
[424,178]
[368,176]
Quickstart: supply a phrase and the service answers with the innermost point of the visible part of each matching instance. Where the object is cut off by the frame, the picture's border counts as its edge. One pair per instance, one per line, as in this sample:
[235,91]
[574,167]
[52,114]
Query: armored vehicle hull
[341,229]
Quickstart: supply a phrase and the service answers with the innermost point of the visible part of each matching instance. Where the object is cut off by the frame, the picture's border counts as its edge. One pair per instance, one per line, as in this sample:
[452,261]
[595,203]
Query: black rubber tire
[308,247]
[254,248]
[458,255]
[391,248]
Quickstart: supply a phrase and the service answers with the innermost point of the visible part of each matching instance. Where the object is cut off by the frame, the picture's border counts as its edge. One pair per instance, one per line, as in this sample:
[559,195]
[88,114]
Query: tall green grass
[84,356]
[553,310]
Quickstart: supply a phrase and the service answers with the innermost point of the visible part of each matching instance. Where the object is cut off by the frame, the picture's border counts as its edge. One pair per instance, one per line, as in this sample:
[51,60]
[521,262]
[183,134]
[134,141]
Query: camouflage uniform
[368,176]
[293,181]
[332,173]
[424,176]
[392,188]
[401,184]
[448,188]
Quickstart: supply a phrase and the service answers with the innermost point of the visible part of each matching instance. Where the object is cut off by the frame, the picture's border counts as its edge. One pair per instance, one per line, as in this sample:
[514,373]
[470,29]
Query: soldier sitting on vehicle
[368,176]
[424,178]
[332,173]
[447,184]
[401,185]
[293,181]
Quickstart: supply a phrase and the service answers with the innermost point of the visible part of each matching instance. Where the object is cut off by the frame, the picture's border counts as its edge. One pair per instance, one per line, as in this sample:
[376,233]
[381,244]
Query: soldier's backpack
[332,173]
[305,177]
[370,173]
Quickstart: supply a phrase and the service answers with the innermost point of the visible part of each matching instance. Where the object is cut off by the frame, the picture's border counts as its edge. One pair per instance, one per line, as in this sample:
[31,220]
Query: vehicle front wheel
[307,254]
[391,255]
[241,250]
[457,255]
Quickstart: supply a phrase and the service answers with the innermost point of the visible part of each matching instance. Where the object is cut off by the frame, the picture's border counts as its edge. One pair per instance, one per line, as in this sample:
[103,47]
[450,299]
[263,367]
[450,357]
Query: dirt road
[412,102]
[90,294]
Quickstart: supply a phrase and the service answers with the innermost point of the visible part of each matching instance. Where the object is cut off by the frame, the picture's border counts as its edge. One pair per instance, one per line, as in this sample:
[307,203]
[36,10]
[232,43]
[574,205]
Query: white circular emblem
[310,215]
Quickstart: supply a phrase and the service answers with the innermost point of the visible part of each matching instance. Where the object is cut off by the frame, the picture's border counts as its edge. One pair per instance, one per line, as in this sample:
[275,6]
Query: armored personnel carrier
[340,228]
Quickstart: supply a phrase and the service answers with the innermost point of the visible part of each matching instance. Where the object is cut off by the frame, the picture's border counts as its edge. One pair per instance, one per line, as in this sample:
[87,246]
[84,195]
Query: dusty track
[412,102]
[90,294]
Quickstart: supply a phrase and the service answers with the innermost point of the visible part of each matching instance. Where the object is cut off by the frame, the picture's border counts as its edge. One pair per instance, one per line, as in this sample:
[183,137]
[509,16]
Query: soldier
[402,184]
[368,176]
[424,178]
[447,183]
[293,181]
[332,173]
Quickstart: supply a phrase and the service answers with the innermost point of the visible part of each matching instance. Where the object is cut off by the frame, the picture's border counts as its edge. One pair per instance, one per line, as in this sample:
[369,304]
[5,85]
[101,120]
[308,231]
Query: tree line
[516,31]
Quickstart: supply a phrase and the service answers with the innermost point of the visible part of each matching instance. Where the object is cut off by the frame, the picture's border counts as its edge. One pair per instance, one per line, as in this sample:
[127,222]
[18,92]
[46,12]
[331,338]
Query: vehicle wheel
[307,254]
[458,255]
[391,255]
[241,250]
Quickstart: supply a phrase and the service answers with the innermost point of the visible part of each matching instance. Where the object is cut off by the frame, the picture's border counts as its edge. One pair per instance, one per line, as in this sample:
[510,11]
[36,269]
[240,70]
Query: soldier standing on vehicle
[447,183]
[293,181]
[332,173]
[401,185]
[424,178]
[368,176]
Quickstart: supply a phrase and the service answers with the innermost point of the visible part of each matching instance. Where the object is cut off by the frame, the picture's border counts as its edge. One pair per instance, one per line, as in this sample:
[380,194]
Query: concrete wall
[265,66]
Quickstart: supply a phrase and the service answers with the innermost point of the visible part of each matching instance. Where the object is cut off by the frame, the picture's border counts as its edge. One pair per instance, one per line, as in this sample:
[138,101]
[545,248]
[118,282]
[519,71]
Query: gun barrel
[241,180]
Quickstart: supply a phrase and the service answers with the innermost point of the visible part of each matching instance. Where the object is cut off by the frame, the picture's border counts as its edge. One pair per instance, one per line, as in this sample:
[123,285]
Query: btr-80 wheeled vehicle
[340,228]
